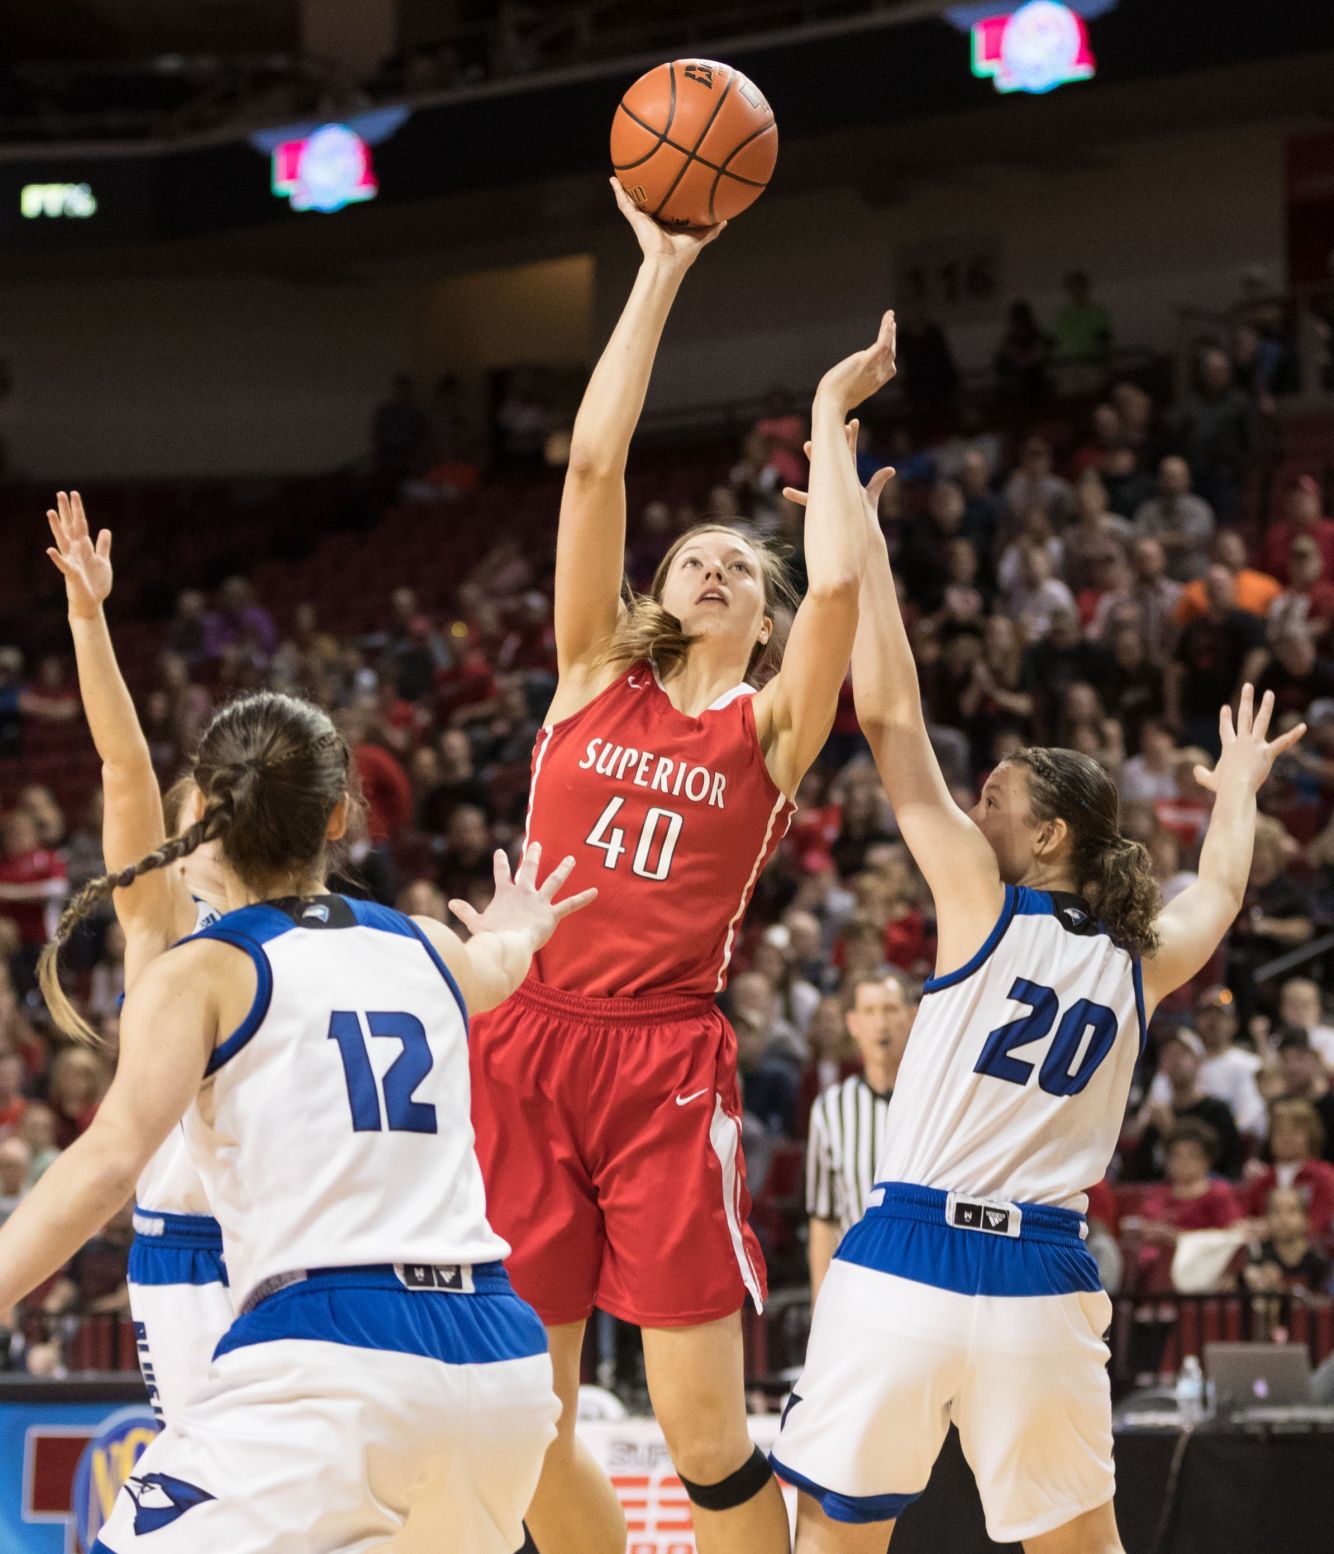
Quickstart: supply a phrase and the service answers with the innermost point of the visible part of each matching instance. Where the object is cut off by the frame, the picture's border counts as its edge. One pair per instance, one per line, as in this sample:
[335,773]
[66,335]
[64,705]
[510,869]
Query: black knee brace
[748,1480]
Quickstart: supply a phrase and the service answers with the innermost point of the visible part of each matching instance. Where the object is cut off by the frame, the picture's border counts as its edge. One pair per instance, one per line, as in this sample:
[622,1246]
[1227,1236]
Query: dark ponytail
[1114,873]
[272,770]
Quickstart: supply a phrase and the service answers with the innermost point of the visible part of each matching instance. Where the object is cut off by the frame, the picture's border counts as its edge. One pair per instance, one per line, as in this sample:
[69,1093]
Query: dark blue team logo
[159,1500]
[106,1463]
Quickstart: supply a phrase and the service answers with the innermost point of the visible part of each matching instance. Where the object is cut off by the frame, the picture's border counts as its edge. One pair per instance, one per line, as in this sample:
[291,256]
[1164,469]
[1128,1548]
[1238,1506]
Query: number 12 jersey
[672,818]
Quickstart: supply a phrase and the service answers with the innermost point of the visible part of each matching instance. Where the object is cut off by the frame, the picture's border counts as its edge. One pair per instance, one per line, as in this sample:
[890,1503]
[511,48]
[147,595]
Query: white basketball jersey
[1015,1080]
[169,1183]
[333,1127]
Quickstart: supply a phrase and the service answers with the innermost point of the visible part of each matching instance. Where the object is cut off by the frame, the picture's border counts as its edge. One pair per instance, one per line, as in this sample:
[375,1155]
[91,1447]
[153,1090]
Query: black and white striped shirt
[847,1132]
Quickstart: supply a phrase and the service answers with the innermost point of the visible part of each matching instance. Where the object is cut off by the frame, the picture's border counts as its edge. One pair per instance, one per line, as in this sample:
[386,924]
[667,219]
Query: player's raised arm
[1192,924]
[167,1030]
[590,543]
[795,711]
[156,910]
[520,918]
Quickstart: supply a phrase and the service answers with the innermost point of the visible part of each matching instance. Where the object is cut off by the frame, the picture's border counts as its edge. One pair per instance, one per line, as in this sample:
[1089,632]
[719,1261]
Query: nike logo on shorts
[681,1100]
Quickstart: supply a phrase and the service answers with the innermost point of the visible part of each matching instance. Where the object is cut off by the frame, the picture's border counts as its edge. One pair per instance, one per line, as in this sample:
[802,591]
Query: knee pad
[748,1480]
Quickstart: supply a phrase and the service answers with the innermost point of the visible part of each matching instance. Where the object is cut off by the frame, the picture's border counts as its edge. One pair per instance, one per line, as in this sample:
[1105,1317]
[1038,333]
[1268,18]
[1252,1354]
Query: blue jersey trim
[969,1262]
[153,1262]
[260,922]
[1009,908]
[442,969]
[366,1308]
[224,931]
[846,1508]
[1137,976]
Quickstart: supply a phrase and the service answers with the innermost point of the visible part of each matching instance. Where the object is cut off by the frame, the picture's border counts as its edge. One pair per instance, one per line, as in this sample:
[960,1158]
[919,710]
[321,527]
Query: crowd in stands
[1098,572]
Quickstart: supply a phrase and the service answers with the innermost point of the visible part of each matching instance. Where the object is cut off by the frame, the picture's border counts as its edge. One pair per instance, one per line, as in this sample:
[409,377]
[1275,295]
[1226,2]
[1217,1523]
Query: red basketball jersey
[672,818]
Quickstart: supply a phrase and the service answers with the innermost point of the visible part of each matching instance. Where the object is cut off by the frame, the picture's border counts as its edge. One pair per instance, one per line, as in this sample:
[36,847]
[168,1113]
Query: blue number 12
[407,1071]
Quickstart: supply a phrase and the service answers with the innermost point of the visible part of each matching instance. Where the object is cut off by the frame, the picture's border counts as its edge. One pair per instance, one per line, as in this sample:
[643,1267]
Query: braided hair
[271,770]
[1115,873]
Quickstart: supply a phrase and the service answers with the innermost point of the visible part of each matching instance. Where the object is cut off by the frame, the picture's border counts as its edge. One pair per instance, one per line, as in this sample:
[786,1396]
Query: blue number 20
[406,1072]
[1059,1074]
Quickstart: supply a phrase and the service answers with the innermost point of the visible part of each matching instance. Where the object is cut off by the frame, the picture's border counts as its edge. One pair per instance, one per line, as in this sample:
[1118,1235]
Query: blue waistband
[1038,1221]
[190,1230]
[380,1307]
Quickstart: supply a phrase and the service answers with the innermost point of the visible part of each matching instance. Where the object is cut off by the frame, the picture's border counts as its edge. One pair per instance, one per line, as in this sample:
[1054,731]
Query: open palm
[1247,756]
[85,565]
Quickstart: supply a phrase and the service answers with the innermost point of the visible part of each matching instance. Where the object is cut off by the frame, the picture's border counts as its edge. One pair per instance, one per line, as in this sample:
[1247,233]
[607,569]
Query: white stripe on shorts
[725,1138]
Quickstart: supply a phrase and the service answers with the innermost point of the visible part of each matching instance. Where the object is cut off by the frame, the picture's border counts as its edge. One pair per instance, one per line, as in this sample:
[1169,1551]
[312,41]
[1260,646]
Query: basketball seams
[699,141]
[675,145]
[722,172]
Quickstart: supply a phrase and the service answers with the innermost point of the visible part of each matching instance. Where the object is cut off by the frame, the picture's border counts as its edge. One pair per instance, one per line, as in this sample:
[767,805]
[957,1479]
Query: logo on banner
[104,1468]
[1033,47]
[327,167]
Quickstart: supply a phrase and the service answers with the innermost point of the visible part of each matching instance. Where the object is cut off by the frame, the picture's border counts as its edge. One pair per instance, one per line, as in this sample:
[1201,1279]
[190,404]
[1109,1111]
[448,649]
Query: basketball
[694,143]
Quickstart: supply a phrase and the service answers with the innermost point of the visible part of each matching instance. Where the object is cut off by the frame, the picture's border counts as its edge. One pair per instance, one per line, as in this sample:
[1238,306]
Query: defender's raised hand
[520,905]
[84,564]
[1247,757]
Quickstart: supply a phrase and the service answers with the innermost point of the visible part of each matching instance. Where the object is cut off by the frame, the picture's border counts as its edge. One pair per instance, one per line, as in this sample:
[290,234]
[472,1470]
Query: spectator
[1022,358]
[51,697]
[423,899]
[15,1166]
[1275,915]
[926,368]
[1037,597]
[1308,600]
[399,431]
[78,1082]
[1296,1143]
[1256,592]
[107,984]
[1227,1072]
[1305,521]
[38,1132]
[1301,1008]
[32,883]
[1096,536]
[1145,603]
[466,858]
[847,1127]
[1057,660]
[11,701]
[187,633]
[783,431]
[797,998]
[384,784]
[1190,1199]
[1180,1055]
[1035,485]
[1083,328]
[240,622]
[1165,853]
[1296,674]
[13,1103]
[981,506]
[1217,653]
[1218,434]
[768,1068]
[1133,686]
[1286,1258]
[1304,1079]
[523,421]
[1181,522]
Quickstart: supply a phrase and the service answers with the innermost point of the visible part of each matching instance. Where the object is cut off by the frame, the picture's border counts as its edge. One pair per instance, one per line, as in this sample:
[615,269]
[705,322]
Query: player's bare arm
[795,711]
[590,540]
[521,917]
[157,909]
[1193,924]
[167,1031]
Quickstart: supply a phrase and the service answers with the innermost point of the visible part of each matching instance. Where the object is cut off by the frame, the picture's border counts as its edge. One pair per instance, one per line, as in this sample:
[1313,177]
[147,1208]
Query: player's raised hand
[1247,756]
[681,248]
[84,564]
[520,904]
[865,372]
[871,491]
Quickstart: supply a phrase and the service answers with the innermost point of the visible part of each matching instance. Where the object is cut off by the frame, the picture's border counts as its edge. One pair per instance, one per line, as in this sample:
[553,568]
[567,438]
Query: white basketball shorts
[924,1320]
[336,1403]
[180,1304]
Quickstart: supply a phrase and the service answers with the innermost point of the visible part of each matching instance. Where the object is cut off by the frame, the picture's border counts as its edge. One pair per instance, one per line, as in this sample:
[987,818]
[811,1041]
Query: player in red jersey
[606,1102]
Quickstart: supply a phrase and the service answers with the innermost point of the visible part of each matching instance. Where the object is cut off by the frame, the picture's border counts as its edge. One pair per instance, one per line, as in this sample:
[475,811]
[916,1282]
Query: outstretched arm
[156,910]
[1193,924]
[795,711]
[590,542]
[521,917]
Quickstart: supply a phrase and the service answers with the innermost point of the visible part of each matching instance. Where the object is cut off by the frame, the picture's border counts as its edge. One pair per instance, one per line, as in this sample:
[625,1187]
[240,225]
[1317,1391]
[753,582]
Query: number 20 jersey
[672,818]
[1015,1079]
[332,1128]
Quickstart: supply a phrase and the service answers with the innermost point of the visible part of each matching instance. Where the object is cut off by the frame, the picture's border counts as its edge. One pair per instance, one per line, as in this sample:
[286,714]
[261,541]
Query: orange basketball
[694,143]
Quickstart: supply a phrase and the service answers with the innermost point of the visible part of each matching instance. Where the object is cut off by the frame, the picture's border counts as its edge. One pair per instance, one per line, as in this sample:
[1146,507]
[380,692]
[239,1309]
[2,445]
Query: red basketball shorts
[609,1133]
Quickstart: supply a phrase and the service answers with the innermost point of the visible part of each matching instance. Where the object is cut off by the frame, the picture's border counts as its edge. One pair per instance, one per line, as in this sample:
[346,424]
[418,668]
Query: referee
[848,1119]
